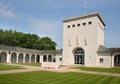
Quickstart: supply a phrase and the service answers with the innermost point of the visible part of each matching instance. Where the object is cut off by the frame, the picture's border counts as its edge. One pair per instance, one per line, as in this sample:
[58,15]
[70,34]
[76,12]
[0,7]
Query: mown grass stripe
[46,77]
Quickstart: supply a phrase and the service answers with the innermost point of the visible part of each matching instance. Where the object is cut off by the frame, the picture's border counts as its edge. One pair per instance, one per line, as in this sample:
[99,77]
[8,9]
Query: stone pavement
[64,69]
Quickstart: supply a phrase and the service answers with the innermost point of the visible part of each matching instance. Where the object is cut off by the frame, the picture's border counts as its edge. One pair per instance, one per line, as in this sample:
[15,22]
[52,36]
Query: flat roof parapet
[85,16]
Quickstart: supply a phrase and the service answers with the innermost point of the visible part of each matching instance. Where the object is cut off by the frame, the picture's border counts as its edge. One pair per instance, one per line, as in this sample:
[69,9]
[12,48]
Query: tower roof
[85,16]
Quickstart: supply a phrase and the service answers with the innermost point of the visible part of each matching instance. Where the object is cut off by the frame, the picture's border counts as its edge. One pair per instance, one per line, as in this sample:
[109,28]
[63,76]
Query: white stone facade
[82,37]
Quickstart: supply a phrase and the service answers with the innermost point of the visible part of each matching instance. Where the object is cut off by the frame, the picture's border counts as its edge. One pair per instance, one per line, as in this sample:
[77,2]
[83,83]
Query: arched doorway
[79,56]
[38,58]
[44,58]
[27,58]
[117,60]
[13,57]
[33,58]
[49,58]
[20,58]
[3,57]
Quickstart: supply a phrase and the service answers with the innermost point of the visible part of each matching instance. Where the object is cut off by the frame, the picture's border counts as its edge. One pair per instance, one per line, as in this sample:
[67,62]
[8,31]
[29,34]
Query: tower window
[73,25]
[78,25]
[68,26]
[84,24]
[90,22]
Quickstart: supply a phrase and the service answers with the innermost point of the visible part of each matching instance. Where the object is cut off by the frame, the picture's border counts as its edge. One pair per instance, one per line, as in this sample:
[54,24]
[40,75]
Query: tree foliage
[32,41]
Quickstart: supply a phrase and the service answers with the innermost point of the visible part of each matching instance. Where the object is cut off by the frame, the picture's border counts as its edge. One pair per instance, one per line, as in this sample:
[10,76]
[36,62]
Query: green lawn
[45,77]
[30,64]
[110,70]
[9,67]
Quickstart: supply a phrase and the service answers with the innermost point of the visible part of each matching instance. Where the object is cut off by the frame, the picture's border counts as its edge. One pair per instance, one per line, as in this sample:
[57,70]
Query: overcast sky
[44,17]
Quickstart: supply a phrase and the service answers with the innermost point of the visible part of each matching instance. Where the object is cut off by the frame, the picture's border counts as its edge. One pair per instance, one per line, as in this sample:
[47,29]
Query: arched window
[79,56]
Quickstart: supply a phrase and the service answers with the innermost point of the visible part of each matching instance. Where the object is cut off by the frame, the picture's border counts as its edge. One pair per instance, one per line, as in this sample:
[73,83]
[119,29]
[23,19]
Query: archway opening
[49,58]
[3,57]
[33,58]
[38,58]
[13,57]
[117,60]
[79,56]
[27,58]
[20,58]
[44,58]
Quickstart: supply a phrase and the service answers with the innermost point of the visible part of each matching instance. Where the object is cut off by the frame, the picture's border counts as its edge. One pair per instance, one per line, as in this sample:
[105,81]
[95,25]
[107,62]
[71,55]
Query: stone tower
[81,38]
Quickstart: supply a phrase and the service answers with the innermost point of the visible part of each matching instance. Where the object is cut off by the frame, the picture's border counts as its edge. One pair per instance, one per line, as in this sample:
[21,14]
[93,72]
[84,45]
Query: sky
[44,17]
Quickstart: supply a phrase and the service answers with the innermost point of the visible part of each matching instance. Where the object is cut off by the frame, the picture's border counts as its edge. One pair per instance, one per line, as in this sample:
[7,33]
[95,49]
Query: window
[90,22]
[84,24]
[101,60]
[68,26]
[73,25]
[78,25]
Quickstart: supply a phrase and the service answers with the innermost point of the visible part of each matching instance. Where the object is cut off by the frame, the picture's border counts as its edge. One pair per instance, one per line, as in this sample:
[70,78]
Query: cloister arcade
[21,55]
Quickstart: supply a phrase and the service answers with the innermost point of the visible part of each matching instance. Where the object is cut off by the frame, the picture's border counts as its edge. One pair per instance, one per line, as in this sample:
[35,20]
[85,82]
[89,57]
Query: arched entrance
[117,60]
[33,58]
[49,58]
[13,57]
[38,58]
[3,57]
[27,58]
[44,58]
[20,58]
[79,56]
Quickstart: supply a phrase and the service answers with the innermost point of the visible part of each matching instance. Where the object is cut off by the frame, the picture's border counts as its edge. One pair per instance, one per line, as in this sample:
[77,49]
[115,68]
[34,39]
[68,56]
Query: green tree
[32,41]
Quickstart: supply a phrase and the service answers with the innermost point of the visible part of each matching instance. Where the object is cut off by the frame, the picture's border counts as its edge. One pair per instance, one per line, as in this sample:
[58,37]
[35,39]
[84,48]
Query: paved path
[65,69]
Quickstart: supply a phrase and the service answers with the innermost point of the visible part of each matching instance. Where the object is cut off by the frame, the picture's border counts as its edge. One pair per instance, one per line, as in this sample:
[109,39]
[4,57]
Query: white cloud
[5,11]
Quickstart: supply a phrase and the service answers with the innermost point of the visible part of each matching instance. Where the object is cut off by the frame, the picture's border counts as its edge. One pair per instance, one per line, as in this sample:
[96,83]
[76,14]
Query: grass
[45,77]
[9,67]
[110,70]
[30,64]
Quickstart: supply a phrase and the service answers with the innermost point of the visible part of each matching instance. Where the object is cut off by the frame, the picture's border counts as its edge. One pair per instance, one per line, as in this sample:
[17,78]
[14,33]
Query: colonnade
[22,57]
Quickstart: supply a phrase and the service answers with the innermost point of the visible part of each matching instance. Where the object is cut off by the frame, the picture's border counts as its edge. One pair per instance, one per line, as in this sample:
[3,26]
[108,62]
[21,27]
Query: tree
[32,41]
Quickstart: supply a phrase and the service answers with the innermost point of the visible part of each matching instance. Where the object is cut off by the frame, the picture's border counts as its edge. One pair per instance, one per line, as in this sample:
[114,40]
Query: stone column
[23,57]
[113,60]
[30,58]
[17,57]
[35,58]
[41,58]
[8,59]
[47,58]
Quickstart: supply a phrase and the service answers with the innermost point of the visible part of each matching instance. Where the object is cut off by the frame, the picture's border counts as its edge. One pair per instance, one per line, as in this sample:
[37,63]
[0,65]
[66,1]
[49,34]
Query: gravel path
[64,69]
